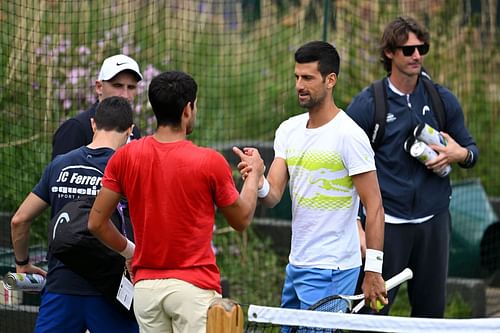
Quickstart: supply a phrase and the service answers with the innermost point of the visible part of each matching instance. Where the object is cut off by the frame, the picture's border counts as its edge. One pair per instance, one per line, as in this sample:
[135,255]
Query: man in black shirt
[118,76]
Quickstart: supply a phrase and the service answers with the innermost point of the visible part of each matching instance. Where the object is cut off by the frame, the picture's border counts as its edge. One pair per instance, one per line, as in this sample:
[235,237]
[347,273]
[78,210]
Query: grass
[456,306]
[254,271]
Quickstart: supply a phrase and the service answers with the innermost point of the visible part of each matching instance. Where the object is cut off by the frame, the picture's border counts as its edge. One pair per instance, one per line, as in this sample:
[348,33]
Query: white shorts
[171,306]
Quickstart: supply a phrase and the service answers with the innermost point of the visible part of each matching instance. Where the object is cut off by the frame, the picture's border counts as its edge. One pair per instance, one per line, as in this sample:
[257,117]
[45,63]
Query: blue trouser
[61,313]
[305,286]
[424,248]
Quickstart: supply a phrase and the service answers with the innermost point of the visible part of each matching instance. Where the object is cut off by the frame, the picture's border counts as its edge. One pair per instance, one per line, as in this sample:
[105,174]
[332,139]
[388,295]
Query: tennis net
[264,319]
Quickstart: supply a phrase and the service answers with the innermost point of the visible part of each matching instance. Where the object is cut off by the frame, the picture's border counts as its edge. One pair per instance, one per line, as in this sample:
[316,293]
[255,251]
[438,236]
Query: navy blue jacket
[409,190]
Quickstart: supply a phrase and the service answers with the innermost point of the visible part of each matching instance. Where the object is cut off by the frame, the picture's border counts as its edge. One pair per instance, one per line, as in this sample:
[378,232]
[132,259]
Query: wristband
[264,191]
[128,252]
[374,260]
[22,262]
[468,159]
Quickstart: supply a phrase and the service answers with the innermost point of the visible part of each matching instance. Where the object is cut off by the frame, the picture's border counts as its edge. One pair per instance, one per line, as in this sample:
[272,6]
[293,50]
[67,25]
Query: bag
[71,242]
[380,99]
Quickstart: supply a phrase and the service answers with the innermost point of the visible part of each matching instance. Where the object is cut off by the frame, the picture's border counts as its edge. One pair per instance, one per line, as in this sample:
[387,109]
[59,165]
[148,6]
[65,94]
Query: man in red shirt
[173,188]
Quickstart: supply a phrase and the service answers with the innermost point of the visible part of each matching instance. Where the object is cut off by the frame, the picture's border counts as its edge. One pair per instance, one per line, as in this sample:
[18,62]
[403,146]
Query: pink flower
[67,104]
[83,50]
[75,74]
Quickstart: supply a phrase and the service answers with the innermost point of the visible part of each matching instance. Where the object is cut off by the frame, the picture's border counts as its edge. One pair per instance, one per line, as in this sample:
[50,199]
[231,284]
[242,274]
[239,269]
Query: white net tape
[374,323]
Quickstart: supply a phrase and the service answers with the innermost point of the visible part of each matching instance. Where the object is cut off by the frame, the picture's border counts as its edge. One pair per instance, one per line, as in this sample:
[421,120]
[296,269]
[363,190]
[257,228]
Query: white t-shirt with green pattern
[325,203]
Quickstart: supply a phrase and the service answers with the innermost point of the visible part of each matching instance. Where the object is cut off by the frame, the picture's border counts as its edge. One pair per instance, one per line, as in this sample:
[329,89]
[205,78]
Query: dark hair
[114,114]
[169,93]
[396,34]
[326,54]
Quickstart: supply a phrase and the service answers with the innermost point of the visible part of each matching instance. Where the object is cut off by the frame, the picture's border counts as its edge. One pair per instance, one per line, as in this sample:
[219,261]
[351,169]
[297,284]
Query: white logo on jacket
[425,109]
[390,118]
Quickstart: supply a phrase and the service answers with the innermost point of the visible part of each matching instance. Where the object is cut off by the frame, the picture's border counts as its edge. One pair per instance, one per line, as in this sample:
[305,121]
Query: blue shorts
[305,286]
[61,313]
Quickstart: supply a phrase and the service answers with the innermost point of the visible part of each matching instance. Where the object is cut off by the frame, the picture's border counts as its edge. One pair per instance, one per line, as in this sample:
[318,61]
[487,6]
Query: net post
[224,316]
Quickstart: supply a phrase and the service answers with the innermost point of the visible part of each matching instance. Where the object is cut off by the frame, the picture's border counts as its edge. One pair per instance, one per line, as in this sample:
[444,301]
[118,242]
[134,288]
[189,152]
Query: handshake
[418,146]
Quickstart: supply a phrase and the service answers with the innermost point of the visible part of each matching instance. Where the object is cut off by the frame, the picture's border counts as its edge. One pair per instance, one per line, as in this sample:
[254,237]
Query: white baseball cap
[116,64]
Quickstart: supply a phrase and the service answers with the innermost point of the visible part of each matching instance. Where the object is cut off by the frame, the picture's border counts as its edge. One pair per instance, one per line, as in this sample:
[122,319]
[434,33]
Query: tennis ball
[379,305]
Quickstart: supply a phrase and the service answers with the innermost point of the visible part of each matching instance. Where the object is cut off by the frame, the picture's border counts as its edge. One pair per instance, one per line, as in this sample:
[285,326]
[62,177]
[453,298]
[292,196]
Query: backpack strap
[381,107]
[380,98]
[437,102]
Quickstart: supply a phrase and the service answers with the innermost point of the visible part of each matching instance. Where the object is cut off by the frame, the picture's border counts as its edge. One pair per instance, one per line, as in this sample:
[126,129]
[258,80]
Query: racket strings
[333,304]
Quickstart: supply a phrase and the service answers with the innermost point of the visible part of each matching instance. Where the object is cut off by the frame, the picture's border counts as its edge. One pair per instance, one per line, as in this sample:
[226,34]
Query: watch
[468,159]
[22,262]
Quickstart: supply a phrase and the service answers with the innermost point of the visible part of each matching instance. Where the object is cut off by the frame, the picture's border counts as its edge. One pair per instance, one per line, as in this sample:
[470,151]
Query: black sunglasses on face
[408,50]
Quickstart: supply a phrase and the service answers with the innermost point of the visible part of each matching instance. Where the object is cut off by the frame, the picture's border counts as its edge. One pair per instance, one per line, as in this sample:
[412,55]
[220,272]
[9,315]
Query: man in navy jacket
[415,198]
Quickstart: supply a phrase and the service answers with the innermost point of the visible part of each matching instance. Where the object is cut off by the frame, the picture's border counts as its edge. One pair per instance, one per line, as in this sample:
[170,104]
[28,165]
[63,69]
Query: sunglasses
[408,50]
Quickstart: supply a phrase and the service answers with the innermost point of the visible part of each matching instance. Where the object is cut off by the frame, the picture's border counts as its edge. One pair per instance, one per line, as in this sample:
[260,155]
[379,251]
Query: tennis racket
[345,303]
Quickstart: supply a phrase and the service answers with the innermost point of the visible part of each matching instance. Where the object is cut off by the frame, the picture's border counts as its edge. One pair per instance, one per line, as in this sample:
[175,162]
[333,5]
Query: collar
[394,89]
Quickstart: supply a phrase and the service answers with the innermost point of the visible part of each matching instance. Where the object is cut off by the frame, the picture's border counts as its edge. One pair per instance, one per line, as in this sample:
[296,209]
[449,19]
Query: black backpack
[381,106]
[71,242]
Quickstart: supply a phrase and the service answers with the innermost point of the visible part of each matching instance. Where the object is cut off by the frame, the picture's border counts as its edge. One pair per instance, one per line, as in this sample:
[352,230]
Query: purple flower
[202,7]
[75,74]
[62,93]
[63,46]
[66,104]
[141,88]
[47,40]
[40,51]
[83,50]
[150,72]
[90,98]
[124,29]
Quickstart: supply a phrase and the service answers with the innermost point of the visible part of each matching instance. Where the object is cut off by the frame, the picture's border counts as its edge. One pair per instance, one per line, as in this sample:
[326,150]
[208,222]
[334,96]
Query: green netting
[241,54]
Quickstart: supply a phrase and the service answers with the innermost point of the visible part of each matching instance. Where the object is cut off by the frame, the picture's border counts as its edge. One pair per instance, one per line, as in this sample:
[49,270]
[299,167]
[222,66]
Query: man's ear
[188,109]
[93,125]
[98,89]
[389,54]
[331,80]
[130,130]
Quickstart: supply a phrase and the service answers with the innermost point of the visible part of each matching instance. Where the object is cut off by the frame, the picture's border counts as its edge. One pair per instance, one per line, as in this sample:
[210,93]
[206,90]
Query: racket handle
[396,280]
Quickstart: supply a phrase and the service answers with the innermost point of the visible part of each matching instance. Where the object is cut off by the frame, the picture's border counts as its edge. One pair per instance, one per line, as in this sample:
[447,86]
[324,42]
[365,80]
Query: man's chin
[304,103]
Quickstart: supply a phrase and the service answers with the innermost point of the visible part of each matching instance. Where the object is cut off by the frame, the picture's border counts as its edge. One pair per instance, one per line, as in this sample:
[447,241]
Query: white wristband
[374,260]
[128,252]
[264,191]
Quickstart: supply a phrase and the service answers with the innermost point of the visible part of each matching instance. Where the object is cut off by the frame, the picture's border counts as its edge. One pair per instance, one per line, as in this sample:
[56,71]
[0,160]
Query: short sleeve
[222,182]
[112,173]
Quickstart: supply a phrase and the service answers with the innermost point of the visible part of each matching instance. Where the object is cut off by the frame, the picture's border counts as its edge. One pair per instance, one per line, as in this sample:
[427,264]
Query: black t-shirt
[77,132]
[67,177]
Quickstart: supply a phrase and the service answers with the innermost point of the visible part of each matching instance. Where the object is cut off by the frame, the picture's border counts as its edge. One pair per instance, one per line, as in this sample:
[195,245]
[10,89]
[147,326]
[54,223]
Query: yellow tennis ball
[379,305]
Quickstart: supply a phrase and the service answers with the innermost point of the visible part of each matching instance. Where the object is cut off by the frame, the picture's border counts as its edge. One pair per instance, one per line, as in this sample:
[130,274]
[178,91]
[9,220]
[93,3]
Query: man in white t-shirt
[329,164]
